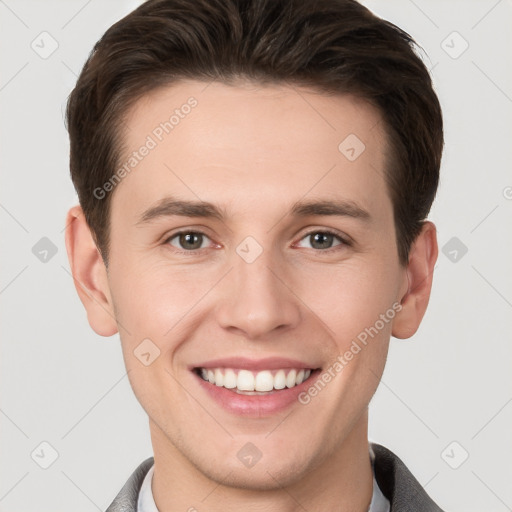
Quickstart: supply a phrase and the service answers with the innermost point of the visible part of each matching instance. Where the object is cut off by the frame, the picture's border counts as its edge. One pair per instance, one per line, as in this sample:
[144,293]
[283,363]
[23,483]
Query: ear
[89,274]
[416,291]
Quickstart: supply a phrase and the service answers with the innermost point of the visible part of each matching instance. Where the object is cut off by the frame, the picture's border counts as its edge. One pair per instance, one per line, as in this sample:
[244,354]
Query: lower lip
[256,406]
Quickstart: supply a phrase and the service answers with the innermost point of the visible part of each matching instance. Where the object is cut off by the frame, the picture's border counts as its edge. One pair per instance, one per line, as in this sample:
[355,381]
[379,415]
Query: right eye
[188,240]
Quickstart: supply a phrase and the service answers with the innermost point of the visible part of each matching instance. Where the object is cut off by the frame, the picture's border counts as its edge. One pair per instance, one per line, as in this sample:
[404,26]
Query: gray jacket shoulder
[126,500]
[398,484]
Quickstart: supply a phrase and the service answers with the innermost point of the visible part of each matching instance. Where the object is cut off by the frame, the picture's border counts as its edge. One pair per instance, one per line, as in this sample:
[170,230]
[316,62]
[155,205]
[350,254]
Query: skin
[254,151]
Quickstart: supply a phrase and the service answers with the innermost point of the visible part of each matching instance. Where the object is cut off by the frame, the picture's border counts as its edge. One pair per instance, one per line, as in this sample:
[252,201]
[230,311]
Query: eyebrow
[169,207]
[341,208]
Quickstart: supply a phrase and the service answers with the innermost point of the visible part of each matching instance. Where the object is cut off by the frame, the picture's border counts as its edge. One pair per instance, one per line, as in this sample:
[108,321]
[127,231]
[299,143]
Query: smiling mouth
[246,382]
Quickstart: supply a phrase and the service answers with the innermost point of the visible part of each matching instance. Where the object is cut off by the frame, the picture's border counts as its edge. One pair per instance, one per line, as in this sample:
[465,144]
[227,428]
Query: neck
[343,481]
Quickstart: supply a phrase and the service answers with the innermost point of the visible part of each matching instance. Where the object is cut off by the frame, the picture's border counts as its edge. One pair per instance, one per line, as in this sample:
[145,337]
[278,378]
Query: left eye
[188,240]
[322,240]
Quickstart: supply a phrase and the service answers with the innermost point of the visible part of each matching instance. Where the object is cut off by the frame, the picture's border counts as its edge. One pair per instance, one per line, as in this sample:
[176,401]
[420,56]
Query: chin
[262,476]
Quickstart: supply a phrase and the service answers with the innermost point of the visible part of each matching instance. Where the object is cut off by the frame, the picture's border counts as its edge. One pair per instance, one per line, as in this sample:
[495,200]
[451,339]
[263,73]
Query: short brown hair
[336,46]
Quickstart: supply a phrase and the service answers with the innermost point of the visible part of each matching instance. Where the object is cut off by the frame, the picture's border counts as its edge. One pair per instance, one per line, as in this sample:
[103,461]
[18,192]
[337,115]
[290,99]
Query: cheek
[351,298]
[155,305]
[156,297]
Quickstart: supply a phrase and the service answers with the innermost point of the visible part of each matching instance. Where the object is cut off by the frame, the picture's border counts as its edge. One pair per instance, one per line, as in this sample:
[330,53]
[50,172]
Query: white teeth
[219,377]
[230,379]
[254,383]
[290,379]
[245,381]
[264,381]
[280,380]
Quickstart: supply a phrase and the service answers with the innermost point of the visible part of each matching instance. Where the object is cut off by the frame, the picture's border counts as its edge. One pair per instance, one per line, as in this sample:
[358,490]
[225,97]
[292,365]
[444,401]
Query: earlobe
[89,274]
[420,268]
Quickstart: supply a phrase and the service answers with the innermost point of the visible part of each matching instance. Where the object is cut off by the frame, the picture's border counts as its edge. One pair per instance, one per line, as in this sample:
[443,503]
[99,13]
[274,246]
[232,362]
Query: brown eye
[188,240]
[322,240]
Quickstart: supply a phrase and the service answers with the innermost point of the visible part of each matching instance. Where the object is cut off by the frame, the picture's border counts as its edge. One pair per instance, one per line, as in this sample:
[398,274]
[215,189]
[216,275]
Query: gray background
[446,393]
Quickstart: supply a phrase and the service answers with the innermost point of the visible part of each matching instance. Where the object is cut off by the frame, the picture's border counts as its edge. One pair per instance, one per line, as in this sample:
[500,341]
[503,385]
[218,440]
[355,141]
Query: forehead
[229,143]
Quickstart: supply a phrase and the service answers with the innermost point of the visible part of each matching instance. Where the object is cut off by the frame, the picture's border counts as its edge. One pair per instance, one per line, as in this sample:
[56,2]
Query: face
[253,247]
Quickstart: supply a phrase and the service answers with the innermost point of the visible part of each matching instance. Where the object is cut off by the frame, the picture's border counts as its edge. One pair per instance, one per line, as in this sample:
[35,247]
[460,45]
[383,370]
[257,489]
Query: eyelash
[344,241]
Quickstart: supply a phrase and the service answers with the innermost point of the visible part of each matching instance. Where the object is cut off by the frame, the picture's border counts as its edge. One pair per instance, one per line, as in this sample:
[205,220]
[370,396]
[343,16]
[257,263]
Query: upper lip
[244,363]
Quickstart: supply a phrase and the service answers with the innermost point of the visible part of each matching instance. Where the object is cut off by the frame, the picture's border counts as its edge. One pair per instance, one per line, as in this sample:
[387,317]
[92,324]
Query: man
[254,178]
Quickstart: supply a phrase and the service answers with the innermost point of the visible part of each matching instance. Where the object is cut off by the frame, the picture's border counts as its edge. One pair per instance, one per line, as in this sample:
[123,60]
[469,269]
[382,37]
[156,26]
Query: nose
[256,299]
